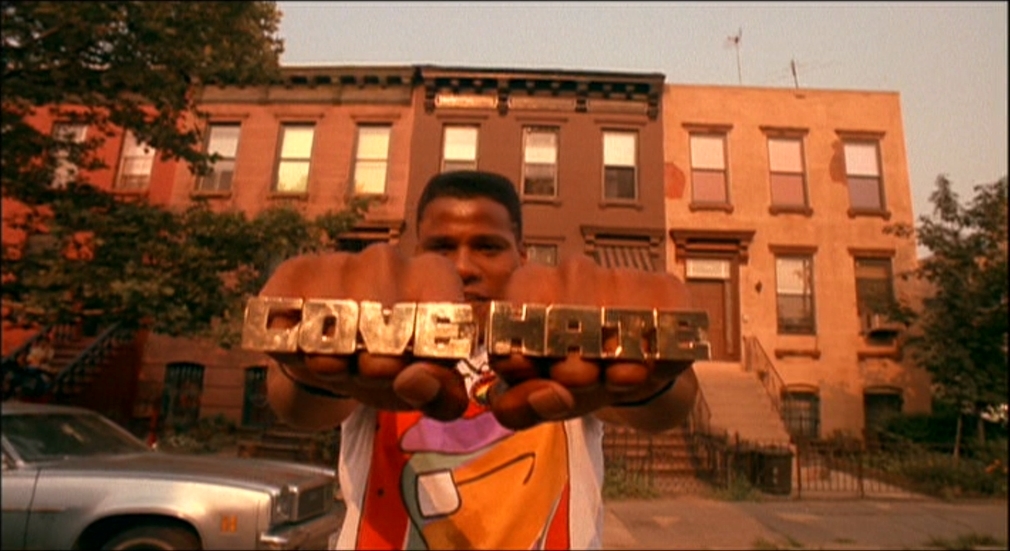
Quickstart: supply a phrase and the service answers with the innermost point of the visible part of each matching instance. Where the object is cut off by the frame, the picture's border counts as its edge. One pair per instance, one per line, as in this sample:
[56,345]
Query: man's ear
[523,257]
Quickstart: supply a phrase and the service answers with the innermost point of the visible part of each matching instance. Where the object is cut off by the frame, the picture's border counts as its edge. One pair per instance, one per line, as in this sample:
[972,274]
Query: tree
[121,65]
[134,66]
[962,327]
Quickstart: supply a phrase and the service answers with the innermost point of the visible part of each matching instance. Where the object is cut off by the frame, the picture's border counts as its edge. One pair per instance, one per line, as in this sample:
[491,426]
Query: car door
[16,490]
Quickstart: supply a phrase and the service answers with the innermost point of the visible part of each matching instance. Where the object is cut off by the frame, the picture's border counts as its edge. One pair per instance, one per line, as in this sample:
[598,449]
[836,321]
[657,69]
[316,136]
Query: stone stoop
[740,404]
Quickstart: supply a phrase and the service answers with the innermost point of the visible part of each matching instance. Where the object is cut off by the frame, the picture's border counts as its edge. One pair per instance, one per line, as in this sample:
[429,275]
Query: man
[503,455]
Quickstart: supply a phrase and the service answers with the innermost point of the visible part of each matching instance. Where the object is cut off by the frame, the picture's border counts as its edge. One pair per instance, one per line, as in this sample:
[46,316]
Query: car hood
[159,465]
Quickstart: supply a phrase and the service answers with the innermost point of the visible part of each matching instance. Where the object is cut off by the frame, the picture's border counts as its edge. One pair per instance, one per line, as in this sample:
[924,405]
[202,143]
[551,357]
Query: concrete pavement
[696,522]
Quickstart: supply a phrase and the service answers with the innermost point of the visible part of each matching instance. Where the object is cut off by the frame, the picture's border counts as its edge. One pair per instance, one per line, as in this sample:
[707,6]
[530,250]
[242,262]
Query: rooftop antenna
[734,40]
[792,67]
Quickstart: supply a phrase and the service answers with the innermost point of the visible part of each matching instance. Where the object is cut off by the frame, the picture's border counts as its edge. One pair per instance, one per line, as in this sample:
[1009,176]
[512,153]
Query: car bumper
[312,534]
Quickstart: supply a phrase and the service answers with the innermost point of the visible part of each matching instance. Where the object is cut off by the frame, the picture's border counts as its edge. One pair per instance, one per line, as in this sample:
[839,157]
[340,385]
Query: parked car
[73,479]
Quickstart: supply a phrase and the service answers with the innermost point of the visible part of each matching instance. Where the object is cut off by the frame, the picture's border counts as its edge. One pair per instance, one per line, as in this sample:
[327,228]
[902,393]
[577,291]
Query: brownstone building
[776,203]
[770,203]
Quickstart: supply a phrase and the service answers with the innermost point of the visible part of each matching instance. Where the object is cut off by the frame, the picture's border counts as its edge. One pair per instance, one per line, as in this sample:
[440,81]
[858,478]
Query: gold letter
[318,316]
[255,333]
[574,329]
[386,331]
[680,335]
[516,329]
[444,330]
[635,333]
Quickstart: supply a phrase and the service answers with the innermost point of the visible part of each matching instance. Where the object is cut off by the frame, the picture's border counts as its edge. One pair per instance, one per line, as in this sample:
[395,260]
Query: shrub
[619,482]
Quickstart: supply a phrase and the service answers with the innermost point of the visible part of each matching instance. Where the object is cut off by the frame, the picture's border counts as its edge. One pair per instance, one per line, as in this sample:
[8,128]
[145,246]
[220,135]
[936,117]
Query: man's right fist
[382,274]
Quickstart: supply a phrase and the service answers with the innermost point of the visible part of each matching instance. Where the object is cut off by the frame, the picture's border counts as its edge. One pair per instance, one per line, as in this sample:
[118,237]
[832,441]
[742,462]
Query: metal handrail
[94,354]
[700,418]
[757,360]
[59,332]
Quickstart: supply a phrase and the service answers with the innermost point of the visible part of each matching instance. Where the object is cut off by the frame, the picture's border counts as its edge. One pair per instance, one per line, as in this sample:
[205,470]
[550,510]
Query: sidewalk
[694,522]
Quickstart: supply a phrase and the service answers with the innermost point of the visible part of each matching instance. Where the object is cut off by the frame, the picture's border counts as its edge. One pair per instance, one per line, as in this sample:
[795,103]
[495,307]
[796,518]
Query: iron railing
[75,375]
[757,360]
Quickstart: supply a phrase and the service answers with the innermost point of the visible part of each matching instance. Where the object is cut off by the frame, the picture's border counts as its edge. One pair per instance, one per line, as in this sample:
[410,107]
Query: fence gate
[181,399]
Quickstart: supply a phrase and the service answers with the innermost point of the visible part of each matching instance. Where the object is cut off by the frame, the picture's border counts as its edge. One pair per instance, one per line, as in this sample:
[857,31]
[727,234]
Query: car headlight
[284,506]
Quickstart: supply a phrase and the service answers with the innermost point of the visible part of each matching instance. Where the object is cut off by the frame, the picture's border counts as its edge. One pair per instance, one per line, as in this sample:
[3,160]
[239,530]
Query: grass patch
[621,483]
[738,489]
[964,541]
[762,544]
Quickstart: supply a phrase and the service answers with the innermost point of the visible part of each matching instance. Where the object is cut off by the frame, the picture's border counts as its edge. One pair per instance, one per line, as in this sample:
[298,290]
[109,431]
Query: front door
[711,284]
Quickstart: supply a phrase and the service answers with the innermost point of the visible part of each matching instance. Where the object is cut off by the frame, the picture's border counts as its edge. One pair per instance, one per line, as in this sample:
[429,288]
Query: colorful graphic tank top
[412,482]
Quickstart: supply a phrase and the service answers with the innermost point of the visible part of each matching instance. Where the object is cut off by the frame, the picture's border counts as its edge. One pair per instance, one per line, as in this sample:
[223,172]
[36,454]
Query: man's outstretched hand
[544,389]
[379,273]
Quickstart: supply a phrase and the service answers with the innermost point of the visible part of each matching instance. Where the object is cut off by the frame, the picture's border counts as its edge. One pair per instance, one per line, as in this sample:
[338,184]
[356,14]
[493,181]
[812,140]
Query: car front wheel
[166,538]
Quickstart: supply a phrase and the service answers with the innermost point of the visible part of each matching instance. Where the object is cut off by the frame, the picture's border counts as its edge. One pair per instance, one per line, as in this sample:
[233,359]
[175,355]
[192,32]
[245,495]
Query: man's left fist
[539,389]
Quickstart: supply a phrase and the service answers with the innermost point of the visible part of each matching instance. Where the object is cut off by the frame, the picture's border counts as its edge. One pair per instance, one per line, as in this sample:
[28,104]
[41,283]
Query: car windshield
[38,437]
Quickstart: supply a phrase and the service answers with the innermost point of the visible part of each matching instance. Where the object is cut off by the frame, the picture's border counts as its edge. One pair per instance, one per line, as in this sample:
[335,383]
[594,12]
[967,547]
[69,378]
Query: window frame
[774,207]
[123,159]
[200,186]
[553,247]
[555,131]
[796,328]
[854,210]
[66,171]
[864,303]
[281,159]
[476,147]
[793,417]
[723,136]
[359,160]
[634,167]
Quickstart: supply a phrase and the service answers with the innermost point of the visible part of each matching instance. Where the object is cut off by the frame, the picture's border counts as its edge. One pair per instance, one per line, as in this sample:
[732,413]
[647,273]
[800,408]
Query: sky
[947,60]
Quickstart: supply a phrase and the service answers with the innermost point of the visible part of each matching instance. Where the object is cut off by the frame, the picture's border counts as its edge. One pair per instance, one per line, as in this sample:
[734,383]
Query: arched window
[180,407]
[880,404]
[801,411]
[256,411]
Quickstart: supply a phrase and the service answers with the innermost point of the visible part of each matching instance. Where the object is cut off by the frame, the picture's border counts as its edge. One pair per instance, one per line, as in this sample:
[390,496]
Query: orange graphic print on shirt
[465,484]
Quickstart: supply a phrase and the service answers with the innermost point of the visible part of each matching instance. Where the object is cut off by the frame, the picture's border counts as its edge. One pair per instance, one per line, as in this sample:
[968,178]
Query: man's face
[477,236]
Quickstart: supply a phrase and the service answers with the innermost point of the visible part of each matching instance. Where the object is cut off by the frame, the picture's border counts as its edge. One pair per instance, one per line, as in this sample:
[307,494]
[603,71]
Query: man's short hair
[472,184]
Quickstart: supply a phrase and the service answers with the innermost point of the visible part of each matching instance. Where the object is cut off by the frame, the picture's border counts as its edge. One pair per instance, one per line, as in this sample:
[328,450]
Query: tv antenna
[734,41]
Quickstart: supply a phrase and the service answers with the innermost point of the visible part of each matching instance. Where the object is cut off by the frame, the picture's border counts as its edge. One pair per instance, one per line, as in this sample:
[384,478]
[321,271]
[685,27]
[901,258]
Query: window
[880,405]
[542,254]
[862,169]
[135,164]
[874,285]
[296,153]
[801,411]
[795,294]
[540,162]
[182,395]
[459,148]
[256,410]
[371,159]
[620,151]
[785,165]
[66,171]
[708,169]
[223,141]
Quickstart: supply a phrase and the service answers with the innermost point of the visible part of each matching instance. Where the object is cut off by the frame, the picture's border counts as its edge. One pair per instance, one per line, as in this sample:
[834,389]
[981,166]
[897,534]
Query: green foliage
[210,435]
[981,473]
[738,488]
[619,482]
[961,336]
[964,542]
[133,65]
[137,66]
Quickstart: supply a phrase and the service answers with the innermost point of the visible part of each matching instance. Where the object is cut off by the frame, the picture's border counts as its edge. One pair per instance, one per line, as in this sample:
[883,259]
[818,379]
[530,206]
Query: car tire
[166,538]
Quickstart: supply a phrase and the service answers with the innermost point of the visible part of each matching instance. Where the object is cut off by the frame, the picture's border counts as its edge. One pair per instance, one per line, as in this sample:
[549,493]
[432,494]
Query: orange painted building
[776,203]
